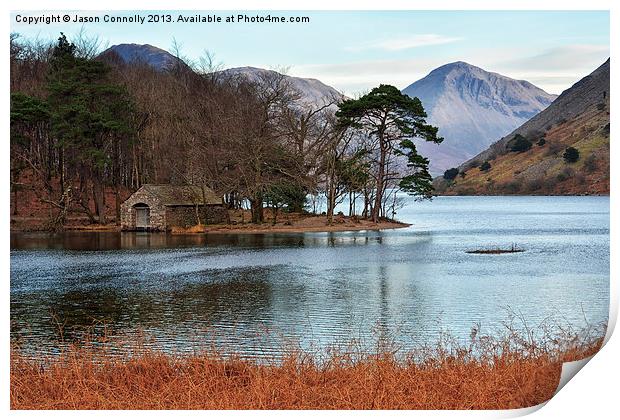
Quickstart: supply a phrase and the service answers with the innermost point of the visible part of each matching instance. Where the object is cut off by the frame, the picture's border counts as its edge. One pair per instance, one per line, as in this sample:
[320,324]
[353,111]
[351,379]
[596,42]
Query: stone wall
[162,217]
[157,216]
[185,216]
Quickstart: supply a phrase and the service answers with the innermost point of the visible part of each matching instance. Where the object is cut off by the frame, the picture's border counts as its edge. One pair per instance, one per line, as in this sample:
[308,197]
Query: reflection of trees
[83,241]
[383,323]
[352,289]
[218,297]
[71,313]
[402,301]
[99,241]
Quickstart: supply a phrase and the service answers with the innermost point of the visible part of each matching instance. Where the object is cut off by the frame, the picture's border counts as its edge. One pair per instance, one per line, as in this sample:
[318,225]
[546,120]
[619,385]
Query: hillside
[578,118]
[313,91]
[472,108]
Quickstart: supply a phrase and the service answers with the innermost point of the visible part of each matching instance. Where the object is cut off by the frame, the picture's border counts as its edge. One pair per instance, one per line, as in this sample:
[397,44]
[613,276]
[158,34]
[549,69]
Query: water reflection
[98,241]
[255,291]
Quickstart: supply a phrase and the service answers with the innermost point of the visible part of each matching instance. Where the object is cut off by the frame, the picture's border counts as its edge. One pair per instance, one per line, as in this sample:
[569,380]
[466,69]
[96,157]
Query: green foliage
[418,182]
[485,166]
[519,144]
[285,194]
[26,113]
[571,155]
[27,109]
[386,108]
[541,142]
[87,111]
[450,174]
[394,119]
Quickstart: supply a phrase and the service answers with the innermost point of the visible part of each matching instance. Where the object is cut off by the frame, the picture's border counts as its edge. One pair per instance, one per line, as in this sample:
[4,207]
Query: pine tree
[393,119]
[89,116]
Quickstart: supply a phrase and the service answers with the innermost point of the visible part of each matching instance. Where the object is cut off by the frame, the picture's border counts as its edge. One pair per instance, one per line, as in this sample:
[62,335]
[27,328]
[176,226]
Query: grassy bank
[486,373]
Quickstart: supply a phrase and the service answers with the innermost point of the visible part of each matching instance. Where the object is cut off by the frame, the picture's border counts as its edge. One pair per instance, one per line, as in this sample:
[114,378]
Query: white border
[592,395]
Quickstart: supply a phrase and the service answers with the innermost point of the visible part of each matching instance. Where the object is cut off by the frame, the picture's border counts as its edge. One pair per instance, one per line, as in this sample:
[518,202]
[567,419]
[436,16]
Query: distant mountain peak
[578,118]
[157,58]
[472,108]
[456,65]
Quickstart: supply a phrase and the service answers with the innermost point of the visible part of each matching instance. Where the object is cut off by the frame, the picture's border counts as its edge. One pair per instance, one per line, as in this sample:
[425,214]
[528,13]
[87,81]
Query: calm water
[253,292]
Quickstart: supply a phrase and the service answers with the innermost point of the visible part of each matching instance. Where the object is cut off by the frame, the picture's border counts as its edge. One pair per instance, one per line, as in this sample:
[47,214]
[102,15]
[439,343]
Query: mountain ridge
[578,118]
[313,91]
[472,107]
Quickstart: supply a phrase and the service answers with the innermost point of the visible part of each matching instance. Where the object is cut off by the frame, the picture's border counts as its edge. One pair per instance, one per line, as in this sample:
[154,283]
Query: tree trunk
[331,188]
[98,194]
[197,214]
[380,181]
[331,202]
[275,215]
[117,197]
[61,168]
[350,204]
[257,208]
[84,199]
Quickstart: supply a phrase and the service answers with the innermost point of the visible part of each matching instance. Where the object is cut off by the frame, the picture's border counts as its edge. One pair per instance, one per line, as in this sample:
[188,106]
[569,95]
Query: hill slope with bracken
[578,118]
[472,108]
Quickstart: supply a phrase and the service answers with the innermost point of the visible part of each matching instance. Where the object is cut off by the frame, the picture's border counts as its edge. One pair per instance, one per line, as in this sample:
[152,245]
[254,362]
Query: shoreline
[309,224]
[586,194]
[257,229]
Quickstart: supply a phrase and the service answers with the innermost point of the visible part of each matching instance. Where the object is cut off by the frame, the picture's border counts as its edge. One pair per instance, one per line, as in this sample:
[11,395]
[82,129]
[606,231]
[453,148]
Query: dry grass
[535,171]
[510,372]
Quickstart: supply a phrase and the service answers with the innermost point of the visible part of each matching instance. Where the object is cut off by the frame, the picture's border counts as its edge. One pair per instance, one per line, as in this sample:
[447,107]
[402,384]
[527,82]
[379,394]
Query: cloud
[404,42]
[562,58]
[360,76]
[553,70]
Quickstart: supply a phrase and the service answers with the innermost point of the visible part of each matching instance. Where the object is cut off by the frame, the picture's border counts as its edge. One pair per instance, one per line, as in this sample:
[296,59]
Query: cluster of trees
[485,166]
[70,124]
[83,124]
[519,144]
[450,174]
[571,155]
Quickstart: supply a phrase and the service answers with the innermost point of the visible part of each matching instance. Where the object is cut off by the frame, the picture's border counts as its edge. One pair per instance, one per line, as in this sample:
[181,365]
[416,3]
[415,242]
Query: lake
[252,293]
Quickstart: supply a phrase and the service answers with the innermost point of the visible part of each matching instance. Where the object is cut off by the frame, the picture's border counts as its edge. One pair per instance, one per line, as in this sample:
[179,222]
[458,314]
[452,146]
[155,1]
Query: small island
[497,250]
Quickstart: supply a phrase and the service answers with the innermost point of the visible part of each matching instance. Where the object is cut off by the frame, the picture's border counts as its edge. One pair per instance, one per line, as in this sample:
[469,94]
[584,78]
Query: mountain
[155,57]
[472,108]
[578,118]
[313,91]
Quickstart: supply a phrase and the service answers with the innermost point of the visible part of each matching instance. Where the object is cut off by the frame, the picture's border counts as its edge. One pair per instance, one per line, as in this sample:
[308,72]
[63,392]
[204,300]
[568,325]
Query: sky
[355,51]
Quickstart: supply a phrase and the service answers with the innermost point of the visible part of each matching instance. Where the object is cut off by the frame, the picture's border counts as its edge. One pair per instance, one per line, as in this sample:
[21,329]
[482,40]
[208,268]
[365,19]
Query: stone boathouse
[161,207]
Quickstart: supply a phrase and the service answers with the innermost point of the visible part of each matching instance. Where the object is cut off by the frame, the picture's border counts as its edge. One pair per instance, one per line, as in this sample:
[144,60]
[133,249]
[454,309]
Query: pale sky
[354,51]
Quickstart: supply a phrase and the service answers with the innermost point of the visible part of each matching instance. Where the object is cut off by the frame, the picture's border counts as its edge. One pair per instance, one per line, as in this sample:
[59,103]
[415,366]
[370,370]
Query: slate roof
[182,195]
